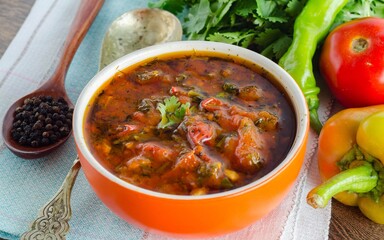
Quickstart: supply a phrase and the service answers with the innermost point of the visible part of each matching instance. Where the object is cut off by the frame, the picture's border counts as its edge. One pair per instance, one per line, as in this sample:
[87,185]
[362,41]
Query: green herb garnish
[172,111]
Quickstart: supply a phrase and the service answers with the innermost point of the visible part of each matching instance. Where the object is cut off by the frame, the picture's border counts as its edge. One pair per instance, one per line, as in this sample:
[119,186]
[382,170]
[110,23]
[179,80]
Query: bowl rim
[291,88]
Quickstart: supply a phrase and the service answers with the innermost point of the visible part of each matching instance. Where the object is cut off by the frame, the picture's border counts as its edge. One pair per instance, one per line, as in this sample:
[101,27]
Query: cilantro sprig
[172,111]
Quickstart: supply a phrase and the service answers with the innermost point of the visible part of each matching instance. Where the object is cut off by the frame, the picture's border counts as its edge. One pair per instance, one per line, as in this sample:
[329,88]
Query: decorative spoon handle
[52,220]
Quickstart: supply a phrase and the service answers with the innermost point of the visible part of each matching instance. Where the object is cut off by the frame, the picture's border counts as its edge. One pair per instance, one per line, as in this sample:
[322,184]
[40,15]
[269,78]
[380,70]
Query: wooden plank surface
[346,222]
[12,16]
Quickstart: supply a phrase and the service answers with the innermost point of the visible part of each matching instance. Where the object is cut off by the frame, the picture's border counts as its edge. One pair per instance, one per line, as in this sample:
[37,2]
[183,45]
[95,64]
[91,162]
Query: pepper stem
[360,179]
[315,121]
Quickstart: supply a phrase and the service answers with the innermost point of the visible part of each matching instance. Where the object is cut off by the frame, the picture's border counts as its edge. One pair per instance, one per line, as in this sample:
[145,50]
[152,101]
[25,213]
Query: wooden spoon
[55,85]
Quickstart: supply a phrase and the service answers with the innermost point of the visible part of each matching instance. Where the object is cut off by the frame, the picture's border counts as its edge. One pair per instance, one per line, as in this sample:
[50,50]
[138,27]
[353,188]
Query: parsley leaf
[294,7]
[358,9]
[197,18]
[245,8]
[269,10]
[172,111]
[238,38]
[174,6]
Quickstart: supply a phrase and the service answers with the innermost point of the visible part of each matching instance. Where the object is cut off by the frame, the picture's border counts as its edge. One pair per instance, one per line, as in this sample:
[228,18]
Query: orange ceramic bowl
[193,216]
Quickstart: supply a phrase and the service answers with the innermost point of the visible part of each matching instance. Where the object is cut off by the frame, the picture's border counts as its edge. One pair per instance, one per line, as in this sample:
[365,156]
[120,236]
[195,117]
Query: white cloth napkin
[26,185]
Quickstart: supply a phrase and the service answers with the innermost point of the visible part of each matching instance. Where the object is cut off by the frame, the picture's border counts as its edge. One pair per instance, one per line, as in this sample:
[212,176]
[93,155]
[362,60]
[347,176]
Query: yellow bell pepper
[351,161]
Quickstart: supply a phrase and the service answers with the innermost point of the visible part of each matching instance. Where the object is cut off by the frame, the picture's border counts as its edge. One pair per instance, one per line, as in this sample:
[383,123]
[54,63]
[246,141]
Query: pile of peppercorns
[41,121]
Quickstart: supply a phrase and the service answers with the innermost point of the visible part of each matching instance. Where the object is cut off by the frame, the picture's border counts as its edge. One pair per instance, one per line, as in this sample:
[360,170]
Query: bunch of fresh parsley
[265,26]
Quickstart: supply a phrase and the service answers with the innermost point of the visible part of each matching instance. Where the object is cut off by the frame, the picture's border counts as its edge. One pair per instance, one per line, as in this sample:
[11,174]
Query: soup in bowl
[191,138]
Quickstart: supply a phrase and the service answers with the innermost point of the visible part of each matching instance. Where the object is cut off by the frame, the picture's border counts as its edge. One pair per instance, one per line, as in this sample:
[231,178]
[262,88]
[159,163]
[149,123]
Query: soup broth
[190,124]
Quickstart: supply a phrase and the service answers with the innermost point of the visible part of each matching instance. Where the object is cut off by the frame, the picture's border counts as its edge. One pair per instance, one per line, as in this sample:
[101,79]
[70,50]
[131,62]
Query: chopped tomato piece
[139,165]
[249,93]
[157,152]
[212,104]
[227,121]
[152,117]
[178,91]
[236,110]
[212,174]
[188,162]
[128,129]
[184,173]
[267,121]
[200,132]
[126,132]
[248,154]
[203,153]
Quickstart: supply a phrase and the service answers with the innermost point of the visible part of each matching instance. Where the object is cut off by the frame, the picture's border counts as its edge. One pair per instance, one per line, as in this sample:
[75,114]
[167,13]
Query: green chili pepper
[311,26]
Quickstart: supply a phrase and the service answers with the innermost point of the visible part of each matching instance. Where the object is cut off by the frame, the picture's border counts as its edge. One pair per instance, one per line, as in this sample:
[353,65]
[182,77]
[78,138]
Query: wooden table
[346,222]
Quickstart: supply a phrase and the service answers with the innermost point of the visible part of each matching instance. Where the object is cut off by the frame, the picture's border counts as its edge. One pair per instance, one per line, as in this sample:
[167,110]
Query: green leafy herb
[247,23]
[172,6]
[265,26]
[172,111]
[358,9]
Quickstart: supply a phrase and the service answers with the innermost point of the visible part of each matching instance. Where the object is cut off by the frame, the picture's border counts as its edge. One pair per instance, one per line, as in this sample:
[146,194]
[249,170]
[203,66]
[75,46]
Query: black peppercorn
[48,126]
[34,143]
[23,140]
[55,116]
[41,121]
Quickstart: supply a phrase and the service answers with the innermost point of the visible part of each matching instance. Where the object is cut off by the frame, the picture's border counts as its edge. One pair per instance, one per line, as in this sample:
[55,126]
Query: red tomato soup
[190,125]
